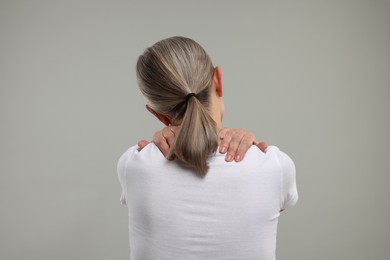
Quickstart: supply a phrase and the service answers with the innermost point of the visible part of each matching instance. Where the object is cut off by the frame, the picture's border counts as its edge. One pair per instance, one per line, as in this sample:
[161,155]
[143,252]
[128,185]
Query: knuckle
[157,134]
[247,141]
[157,141]
[236,139]
[175,129]
[229,131]
[223,130]
[232,148]
[227,139]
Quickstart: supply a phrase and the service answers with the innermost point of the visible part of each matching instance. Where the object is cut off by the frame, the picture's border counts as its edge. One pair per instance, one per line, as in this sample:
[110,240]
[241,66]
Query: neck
[216,111]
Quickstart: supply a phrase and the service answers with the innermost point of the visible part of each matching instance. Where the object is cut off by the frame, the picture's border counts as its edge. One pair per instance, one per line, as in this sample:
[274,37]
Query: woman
[198,206]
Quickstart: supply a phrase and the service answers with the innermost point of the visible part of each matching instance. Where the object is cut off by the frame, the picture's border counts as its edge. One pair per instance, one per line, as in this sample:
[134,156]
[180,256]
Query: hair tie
[190,96]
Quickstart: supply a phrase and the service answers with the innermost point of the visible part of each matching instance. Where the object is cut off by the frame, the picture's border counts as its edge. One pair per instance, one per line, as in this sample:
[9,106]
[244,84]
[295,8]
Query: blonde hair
[167,72]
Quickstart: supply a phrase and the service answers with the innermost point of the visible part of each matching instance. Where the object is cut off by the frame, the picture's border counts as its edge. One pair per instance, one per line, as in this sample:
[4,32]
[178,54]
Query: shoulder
[286,163]
[125,156]
[272,153]
[273,159]
[134,154]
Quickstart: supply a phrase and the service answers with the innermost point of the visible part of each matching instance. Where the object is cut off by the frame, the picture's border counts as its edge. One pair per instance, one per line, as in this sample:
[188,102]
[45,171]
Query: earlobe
[217,80]
[163,118]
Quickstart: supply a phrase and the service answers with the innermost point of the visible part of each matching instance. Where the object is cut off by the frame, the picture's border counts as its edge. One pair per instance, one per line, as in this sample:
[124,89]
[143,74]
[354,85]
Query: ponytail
[197,137]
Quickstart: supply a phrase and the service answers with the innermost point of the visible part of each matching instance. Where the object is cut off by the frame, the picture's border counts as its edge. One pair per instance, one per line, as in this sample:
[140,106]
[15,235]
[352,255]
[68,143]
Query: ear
[217,81]
[163,118]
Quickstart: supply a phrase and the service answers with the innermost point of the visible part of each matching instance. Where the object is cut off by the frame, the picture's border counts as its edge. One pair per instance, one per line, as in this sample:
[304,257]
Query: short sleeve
[288,180]
[121,169]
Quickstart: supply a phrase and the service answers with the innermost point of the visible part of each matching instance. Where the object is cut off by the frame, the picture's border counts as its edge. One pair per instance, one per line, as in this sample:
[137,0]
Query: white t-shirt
[232,213]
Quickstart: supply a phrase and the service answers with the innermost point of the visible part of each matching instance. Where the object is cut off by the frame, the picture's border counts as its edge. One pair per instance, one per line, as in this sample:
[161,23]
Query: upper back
[232,211]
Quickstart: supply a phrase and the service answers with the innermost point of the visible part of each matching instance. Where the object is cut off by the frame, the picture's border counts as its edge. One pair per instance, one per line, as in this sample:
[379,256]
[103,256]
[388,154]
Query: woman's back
[231,213]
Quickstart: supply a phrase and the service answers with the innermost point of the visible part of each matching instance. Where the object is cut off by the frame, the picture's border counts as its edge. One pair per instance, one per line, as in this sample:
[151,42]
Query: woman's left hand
[236,142]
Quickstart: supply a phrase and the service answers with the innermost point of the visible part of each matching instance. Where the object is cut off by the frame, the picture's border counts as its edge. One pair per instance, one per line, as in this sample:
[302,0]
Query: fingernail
[223,149]
[229,157]
[238,157]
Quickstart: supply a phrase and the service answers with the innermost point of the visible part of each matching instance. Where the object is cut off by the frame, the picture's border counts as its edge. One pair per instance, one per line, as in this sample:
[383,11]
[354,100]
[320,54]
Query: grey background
[312,77]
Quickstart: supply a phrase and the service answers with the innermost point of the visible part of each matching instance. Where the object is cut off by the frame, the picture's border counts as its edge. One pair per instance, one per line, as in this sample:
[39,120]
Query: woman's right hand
[163,139]
[234,142]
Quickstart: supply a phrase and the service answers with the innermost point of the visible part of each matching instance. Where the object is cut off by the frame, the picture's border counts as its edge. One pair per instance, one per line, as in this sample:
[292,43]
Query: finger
[223,132]
[234,144]
[246,142]
[174,129]
[142,143]
[262,146]
[169,135]
[225,140]
[162,144]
